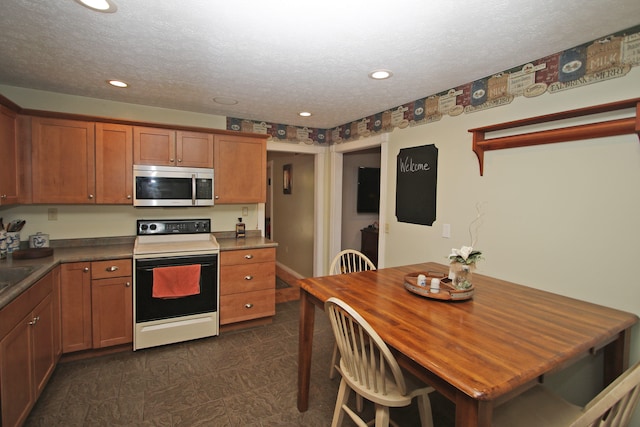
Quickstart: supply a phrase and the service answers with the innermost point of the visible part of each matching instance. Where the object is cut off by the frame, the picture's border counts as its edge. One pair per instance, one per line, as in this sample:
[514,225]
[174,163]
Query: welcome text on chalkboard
[407,165]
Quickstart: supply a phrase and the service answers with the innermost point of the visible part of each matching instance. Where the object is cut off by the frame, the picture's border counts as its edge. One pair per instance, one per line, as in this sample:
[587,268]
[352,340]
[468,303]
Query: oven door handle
[150,269]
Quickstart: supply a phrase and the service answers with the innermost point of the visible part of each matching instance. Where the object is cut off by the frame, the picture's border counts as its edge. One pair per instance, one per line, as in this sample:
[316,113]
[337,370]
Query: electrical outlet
[446,231]
[245,211]
[52,214]
[386,227]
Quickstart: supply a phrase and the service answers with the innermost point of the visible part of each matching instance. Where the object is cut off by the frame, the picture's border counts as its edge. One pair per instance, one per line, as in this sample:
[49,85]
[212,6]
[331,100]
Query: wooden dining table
[479,352]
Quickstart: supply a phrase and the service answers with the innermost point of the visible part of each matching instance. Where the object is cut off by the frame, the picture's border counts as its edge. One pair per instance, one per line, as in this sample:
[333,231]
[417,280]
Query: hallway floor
[242,378]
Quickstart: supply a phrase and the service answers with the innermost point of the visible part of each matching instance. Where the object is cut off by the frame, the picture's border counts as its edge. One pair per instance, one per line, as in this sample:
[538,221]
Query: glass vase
[461,275]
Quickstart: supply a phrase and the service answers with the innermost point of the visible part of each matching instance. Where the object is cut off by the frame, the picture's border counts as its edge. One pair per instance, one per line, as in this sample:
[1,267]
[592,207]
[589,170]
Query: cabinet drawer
[247,306]
[246,278]
[110,268]
[247,256]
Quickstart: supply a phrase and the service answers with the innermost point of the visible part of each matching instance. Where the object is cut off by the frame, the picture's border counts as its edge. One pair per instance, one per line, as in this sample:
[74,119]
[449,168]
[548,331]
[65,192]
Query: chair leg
[343,397]
[424,407]
[382,416]
[334,362]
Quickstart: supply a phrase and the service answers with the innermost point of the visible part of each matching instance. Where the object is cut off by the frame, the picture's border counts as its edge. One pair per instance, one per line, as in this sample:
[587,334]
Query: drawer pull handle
[248,277]
[86,269]
[34,320]
[248,256]
[112,268]
[128,284]
[248,305]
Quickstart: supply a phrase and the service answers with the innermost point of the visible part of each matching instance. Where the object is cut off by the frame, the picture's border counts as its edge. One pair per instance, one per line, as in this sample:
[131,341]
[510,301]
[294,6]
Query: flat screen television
[368,190]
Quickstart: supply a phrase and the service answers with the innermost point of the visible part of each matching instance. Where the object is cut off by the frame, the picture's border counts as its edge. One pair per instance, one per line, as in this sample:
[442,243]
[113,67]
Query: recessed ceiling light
[380,74]
[223,100]
[106,6]
[304,114]
[117,83]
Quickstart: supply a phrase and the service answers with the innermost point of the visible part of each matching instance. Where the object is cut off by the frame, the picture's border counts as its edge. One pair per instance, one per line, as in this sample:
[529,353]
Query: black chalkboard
[416,181]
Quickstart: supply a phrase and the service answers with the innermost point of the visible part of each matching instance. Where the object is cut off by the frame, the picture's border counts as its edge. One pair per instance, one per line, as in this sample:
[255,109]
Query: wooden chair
[369,369]
[347,261]
[613,407]
[350,261]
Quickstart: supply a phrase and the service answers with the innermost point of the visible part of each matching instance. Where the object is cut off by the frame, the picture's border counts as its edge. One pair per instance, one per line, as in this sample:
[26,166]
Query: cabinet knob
[248,305]
[112,268]
[129,196]
[248,277]
[179,160]
[34,320]
[217,197]
[172,160]
[86,269]
[128,284]
[248,256]
[90,196]
[4,196]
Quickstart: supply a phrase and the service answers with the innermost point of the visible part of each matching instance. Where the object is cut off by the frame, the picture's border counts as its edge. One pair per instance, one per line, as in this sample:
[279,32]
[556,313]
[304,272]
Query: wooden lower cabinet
[111,303]
[247,285]
[27,349]
[97,304]
[75,306]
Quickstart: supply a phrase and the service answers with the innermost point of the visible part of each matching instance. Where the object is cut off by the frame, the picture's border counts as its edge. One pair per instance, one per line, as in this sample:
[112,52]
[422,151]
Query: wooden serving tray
[447,291]
[32,253]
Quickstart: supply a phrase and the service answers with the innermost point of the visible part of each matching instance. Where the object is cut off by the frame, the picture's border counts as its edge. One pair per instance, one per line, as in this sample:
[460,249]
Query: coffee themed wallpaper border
[599,60]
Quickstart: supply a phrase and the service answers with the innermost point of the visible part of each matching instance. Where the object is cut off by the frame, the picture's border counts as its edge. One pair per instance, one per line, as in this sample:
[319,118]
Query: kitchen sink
[11,275]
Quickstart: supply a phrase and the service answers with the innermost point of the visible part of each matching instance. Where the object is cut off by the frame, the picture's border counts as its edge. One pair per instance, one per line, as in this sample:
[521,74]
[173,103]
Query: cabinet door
[112,311]
[114,164]
[43,345]
[153,146]
[63,162]
[194,149]
[16,374]
[240,165]
[75,302]
[57,332]
[10,159]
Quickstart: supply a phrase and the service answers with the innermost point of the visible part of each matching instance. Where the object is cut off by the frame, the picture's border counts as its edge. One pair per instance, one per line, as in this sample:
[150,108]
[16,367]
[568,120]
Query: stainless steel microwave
[172,186]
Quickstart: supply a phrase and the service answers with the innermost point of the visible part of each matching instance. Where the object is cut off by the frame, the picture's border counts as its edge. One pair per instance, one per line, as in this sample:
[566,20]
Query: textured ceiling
[281,57]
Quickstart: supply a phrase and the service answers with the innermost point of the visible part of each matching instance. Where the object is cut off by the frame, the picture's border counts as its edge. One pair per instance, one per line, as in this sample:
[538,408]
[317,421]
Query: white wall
[561,217]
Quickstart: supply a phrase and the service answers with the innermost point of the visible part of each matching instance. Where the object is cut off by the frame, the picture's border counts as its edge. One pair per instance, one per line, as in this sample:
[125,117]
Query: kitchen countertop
[83,250]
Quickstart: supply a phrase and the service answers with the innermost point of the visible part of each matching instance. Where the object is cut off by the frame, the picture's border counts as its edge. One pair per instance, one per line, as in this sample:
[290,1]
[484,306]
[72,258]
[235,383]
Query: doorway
[300,239]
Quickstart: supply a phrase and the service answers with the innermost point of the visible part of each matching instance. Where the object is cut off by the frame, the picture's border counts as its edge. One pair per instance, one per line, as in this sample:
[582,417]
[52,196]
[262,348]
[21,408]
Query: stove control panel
[173,226]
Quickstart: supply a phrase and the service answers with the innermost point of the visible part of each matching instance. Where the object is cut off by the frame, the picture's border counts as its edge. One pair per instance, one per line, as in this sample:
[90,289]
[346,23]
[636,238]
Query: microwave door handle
[193,189]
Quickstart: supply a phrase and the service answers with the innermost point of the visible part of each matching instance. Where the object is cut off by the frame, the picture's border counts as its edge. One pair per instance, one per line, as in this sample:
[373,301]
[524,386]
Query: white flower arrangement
[465,255]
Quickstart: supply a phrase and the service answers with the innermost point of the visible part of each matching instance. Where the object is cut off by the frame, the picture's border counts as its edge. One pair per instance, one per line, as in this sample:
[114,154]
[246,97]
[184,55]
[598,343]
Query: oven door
[148,308]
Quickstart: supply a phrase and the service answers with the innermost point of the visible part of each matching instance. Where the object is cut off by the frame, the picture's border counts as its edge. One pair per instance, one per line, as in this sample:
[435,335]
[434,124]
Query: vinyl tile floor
[242,378]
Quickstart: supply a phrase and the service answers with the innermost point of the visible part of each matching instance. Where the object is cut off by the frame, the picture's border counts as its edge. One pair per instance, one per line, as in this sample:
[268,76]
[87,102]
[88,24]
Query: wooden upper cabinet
[10,164]
[156,147]
[114,164]
[194,149]
[166,147]
[63,161]
[240,166]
